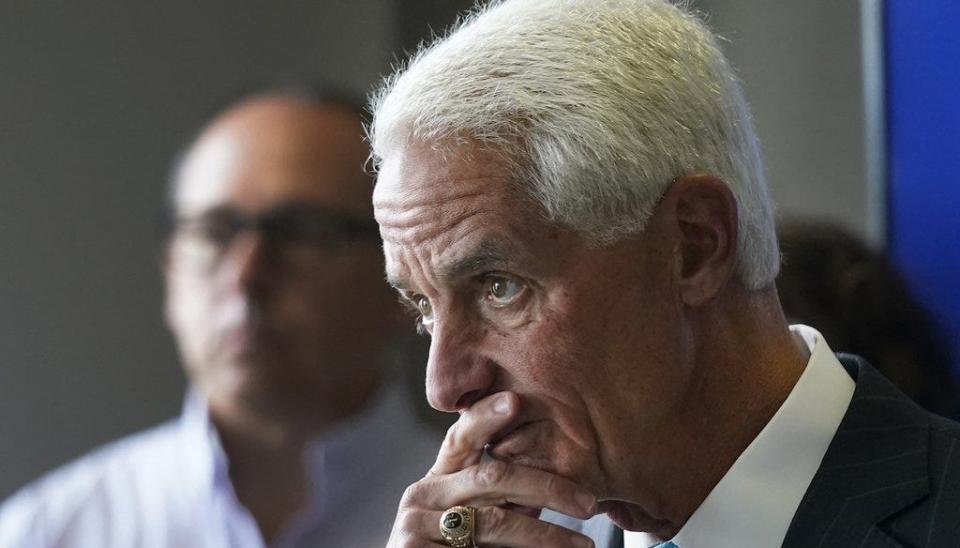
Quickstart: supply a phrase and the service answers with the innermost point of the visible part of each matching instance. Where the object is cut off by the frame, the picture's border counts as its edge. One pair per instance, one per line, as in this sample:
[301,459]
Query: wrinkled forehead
[438,209]
[421,180]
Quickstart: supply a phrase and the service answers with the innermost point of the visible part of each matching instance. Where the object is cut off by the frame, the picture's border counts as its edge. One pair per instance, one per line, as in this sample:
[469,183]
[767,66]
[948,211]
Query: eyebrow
[492,253]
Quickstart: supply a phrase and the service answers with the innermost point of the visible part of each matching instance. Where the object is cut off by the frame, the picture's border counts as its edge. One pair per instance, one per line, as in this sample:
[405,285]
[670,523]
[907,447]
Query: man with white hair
[571,197]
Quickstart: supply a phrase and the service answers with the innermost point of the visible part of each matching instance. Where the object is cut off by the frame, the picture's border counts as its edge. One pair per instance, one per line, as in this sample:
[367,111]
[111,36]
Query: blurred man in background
[290,432]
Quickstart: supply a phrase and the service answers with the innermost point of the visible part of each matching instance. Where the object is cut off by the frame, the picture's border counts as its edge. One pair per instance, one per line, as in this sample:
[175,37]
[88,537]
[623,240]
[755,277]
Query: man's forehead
[421,192]
[451,212]
[490,252]
[254,157]
[440,169]
[205,170]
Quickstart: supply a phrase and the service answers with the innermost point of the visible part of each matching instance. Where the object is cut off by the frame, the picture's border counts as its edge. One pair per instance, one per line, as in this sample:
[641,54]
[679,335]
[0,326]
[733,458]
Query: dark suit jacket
[890,477]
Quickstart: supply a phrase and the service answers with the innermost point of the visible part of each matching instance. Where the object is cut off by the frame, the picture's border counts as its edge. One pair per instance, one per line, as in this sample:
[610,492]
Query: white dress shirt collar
[335,462]
[754,503]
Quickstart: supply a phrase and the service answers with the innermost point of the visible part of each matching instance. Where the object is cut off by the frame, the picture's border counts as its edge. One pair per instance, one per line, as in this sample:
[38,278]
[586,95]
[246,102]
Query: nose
[458,372]
[246,261]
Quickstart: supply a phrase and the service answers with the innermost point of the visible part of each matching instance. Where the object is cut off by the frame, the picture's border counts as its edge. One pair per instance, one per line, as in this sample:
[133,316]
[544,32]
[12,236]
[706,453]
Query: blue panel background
[923,132]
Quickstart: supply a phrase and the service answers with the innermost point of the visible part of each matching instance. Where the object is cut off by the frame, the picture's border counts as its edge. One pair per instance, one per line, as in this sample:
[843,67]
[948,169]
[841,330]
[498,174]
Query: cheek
[187,306]
[592,353]
[562,379]
[188,313]
[307,308]
[546,356]
[337,303]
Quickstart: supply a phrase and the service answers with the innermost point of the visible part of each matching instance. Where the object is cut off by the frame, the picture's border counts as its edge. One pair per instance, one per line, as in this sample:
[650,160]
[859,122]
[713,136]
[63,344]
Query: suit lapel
[875,466]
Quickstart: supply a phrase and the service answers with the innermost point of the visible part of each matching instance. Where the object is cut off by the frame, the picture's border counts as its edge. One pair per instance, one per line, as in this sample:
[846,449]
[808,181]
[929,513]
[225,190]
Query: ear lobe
[706,217]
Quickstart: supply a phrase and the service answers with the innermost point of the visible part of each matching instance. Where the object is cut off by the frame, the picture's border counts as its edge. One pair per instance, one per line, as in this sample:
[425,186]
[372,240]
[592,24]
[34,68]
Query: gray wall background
[95,98]
[802,72]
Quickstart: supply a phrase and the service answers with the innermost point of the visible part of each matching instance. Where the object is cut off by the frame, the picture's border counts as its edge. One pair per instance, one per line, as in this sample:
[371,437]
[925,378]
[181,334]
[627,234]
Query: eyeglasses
[294,233]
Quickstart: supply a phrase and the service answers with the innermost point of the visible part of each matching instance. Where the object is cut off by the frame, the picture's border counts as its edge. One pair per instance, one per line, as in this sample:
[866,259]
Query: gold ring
[457,525]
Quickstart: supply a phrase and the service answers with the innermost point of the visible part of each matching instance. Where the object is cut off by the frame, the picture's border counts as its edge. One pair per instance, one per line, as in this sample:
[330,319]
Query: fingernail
[588,502]
[502,405]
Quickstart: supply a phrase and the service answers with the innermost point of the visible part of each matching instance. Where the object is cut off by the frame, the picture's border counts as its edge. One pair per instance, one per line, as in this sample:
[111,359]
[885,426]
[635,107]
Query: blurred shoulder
[86,493]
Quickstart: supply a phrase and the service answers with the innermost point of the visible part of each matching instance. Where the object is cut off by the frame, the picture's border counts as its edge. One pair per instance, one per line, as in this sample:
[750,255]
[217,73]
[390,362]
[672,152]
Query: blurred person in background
[291,435]
[861,304]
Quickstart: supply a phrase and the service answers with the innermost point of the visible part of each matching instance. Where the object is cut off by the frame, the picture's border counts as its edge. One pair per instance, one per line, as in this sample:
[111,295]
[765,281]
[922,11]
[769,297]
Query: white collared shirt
[170,487]
[753,504]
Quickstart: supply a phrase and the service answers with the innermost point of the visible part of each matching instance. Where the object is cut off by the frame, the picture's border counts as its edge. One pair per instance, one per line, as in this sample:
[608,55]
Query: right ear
[703,213]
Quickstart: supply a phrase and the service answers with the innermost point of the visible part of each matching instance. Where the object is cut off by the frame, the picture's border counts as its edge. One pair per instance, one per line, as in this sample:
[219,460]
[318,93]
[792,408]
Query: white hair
[602,103]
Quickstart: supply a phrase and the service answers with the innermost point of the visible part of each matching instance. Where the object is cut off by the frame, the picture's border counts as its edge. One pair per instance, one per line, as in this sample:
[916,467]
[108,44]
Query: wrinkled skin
[582,346]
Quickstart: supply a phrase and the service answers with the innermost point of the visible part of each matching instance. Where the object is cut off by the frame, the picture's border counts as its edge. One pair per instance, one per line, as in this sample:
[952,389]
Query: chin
[631,517]
[249,385]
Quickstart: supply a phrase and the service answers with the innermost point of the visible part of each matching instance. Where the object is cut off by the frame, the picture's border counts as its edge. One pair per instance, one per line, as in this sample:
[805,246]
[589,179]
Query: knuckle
[556,486]
[550,483]
[413,493]
[454,443]
[491,474]
[455,440]
[493,521]
[406,531]
[406,524]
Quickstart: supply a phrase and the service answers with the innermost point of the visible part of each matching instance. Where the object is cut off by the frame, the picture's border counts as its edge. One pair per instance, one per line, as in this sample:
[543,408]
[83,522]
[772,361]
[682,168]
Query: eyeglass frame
[345,229]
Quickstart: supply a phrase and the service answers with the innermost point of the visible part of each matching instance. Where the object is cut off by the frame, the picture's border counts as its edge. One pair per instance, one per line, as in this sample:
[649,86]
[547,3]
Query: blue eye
[503,290]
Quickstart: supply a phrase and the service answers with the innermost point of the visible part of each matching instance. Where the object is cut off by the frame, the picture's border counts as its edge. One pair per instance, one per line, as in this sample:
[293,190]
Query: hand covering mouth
[525,510]
[503,435]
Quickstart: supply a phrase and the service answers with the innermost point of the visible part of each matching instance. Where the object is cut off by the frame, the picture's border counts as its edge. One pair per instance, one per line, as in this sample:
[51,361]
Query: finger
[496,527]
[416,528]
[465,440]
[498,483]
[499,527]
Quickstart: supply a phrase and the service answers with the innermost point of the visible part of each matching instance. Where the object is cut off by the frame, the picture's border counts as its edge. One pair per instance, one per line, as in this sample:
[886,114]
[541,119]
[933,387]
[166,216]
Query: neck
[266,452]
[746,364]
